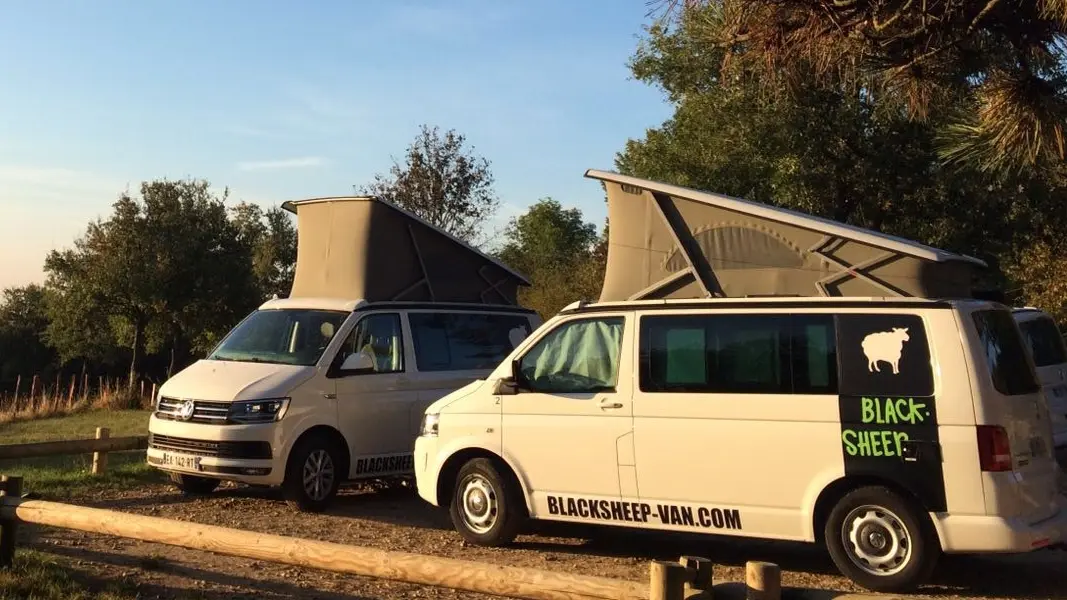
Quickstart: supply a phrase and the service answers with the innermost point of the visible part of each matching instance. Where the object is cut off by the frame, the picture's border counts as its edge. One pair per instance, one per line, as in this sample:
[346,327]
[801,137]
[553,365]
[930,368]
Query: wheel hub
[479,504]
[318,475]
[877,541]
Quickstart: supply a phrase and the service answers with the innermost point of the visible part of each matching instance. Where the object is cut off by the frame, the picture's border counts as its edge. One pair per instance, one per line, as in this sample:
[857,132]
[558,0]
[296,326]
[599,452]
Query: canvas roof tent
[667,241]
[363,247]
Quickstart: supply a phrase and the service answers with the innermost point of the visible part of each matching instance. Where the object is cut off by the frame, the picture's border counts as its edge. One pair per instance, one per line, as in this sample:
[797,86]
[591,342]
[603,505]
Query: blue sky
[285,100]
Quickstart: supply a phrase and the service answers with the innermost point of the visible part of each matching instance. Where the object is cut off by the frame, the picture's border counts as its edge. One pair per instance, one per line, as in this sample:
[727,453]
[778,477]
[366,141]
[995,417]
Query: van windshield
[282,336]
[1045,343]
[1005,353]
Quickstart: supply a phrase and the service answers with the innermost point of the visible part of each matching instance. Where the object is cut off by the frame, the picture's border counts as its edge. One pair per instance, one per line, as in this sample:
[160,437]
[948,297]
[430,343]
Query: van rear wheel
[487,508]
[881,540]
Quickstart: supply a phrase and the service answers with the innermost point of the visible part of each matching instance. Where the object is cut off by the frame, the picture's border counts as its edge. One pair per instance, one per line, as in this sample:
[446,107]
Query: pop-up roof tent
[666,241]
[368,248]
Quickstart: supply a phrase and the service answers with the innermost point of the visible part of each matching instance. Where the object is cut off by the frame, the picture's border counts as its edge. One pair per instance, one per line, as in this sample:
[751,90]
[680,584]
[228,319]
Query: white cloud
[285,163]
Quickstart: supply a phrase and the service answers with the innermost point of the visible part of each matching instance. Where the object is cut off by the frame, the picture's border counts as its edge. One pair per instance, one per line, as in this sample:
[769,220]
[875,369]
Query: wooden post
[152,400]
[100,458]
[33,387]
[699,571]
[763,580]
[142,389]
[666,580]
[11,486]
[70,394]
[85,387]
[18,384]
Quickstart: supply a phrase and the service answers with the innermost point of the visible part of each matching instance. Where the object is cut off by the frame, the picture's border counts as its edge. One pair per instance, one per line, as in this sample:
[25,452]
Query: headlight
[429,424]
[266,410]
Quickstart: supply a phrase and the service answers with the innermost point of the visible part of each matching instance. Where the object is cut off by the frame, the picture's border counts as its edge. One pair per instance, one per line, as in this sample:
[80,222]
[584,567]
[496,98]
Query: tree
[271,239]
[560,253]
[23,319]
[547,235]
[831,152]
[992,70]
[165,271]
[441,182]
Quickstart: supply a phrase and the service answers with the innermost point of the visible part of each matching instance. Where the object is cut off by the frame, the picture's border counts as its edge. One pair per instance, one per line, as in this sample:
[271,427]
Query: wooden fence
[689,578]
[99,446]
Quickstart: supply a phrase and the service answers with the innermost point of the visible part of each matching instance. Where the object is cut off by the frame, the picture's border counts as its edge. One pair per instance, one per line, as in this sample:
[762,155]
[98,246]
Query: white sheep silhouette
[885,346]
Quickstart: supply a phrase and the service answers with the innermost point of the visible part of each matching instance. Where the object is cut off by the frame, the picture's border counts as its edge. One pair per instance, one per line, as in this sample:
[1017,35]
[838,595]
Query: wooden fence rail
[688,579]
[99,446]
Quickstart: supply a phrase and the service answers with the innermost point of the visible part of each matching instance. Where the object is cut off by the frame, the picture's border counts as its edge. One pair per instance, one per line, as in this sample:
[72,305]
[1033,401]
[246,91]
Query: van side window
[464,341]
[1046,344]
[1004,352]
[378,336]
[577,356]
[884,354]
[738,354]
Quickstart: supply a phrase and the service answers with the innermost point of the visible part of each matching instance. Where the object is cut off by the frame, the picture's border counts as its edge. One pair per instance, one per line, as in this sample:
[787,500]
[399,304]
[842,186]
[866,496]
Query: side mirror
[513,384]
[358,362]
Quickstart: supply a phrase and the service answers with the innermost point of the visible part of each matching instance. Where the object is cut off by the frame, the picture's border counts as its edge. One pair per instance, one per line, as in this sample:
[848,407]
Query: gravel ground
[399,520]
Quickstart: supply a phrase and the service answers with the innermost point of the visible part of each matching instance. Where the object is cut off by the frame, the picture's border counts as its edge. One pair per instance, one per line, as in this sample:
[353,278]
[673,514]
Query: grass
[64,477]
[38,576]
[76,426]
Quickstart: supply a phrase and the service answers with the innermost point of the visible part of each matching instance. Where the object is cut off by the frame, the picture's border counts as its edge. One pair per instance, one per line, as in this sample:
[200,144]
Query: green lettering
[867,409]
[917,410]
[850,447]
[891,415]
[864,443]
[876,445]
[898,437]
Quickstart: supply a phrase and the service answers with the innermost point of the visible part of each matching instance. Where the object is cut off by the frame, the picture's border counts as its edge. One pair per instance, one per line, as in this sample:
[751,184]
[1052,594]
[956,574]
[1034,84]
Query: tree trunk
[138,343]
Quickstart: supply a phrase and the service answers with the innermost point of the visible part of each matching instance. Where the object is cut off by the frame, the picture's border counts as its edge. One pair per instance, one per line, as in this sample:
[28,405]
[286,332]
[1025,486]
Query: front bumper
[241,453]
[426,468]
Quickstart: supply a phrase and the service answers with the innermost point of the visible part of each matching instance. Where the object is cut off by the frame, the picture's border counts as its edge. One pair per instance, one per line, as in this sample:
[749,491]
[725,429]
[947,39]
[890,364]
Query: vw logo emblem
[185,411]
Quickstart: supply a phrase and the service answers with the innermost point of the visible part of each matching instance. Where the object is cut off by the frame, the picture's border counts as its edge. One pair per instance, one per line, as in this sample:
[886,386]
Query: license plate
[180,461]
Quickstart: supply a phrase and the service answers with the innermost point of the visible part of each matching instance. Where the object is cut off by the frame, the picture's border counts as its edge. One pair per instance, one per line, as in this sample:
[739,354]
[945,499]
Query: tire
[317,459]
[899,548]
[194,485]
[487,508]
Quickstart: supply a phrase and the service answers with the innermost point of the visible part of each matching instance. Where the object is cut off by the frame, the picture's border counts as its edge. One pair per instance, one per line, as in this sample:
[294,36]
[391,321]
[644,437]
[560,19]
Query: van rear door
[1014,433]
[1049,353]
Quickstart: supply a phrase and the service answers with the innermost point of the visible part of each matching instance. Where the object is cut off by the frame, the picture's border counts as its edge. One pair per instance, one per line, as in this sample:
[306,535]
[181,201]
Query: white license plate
[180,461]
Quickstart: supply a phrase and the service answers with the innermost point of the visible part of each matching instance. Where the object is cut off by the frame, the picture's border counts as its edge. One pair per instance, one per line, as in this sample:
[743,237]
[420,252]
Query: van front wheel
[881,541]
[486,508]
[312,474]
[193,485]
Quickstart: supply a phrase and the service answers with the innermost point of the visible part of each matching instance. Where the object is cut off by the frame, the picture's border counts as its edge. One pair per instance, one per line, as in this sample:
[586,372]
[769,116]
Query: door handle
[329,396]
[608,403]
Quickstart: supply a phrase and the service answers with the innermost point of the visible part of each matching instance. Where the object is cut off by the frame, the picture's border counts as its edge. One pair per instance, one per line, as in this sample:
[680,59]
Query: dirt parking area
[398,520]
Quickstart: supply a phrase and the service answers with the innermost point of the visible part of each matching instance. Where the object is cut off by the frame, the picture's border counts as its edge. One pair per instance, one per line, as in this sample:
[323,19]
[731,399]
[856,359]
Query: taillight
[994,449]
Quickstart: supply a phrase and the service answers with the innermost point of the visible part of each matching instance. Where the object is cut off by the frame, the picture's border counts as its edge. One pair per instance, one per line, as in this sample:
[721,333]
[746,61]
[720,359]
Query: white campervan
[890,429]
[1049,353]
[316,389]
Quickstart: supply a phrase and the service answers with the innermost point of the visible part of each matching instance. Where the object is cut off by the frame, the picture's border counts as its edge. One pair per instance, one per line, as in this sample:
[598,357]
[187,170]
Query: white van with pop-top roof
[387,314]
[697,397]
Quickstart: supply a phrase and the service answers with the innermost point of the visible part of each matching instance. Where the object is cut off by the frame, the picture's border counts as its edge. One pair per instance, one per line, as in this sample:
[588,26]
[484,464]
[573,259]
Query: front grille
[246,450]
[203,411]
